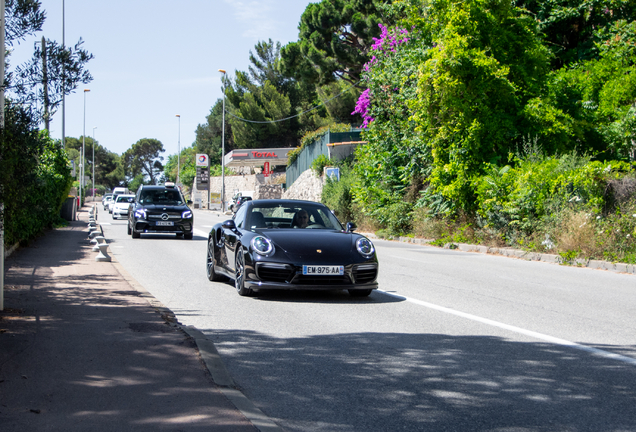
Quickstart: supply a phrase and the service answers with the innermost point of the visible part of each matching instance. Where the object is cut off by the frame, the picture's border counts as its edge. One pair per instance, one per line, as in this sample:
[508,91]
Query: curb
[222,378]
[521,254]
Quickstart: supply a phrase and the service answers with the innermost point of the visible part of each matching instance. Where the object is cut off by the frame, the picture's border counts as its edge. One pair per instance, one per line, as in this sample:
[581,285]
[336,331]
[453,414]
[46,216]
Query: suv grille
[160,216]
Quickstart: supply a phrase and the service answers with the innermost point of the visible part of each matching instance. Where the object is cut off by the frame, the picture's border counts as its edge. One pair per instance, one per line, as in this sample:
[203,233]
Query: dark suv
[160,209]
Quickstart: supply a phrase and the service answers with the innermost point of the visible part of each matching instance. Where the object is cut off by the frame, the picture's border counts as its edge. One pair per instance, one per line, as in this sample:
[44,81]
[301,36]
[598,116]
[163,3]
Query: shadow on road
[82,351]
[429,382]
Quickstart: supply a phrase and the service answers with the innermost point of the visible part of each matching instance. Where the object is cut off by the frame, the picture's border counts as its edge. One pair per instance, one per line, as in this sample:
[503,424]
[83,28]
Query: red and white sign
[266,171]
[202,160]
[264,154]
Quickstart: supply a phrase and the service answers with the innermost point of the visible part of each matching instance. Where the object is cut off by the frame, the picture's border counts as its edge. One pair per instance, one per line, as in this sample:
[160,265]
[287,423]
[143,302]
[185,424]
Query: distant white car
[120,207]
[107,200]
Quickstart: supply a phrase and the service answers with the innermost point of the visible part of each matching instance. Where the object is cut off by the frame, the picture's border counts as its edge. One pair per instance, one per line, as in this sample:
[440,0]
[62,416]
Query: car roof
[158,187]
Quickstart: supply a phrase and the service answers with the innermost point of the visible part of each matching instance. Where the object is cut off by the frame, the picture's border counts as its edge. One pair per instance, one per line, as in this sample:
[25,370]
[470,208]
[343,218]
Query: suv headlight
[365,247]
[262,245]
[140,213]
[186,214]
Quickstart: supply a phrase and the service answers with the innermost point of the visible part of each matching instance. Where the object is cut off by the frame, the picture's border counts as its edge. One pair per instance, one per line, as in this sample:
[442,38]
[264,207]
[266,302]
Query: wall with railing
[312,151]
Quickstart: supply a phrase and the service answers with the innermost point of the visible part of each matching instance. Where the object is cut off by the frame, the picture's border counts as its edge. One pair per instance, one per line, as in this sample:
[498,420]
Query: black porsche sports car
[290,244]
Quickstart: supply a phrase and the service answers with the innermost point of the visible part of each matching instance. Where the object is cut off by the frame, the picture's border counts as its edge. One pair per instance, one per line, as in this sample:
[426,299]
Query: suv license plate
[164,223]
[323,270]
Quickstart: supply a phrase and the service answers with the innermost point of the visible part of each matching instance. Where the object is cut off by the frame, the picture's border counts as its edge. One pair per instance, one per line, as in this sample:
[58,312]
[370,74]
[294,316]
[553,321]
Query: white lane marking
[541,336]
[201,233]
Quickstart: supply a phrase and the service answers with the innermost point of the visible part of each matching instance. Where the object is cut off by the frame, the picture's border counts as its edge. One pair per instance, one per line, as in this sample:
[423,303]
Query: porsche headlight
[262,245]
[365,247]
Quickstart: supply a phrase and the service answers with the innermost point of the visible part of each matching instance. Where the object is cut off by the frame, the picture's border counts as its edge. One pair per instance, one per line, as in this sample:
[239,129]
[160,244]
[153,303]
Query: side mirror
[229,224]
[351,227]
[189,202]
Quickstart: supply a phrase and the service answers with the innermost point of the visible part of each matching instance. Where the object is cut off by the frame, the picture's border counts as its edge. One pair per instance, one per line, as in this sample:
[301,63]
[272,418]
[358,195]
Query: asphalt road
[452,341]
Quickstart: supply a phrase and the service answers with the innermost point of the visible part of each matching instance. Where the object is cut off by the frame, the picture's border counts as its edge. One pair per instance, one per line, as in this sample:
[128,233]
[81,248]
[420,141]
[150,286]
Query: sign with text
[203,178]
[202,160]
[266,171]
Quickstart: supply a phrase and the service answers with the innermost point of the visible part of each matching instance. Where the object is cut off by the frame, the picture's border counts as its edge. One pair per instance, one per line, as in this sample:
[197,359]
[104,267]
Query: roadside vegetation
[501,123]
[35,177]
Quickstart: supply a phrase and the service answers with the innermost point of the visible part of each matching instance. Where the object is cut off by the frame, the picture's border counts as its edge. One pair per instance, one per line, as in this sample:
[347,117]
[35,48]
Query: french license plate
[323,270]
[165,223]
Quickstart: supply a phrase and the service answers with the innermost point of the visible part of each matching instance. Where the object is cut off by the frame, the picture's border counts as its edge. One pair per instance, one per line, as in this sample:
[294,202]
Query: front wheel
[129,230]
[211,262]
[239,277]
[188,236]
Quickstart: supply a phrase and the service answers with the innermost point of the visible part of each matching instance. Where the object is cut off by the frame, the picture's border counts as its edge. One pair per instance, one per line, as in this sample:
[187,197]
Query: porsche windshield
[292,216]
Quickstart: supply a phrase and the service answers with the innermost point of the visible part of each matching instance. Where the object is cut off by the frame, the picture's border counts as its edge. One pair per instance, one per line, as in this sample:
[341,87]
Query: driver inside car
[301,219]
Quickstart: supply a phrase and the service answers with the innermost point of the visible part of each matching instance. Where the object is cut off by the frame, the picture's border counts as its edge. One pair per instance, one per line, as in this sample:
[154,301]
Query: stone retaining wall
[306,187]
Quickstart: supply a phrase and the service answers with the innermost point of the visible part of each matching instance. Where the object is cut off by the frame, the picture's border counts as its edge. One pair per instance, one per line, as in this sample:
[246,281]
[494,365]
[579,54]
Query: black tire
[211,262]
[188,236]
[129,230]
[239,277]
[135,234]
[360,292]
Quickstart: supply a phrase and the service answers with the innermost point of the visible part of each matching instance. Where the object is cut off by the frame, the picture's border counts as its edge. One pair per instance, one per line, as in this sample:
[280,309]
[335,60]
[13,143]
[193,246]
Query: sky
[156,59]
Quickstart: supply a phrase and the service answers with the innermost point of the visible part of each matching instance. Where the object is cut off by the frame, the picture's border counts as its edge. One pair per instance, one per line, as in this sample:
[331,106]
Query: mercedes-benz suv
[160,209]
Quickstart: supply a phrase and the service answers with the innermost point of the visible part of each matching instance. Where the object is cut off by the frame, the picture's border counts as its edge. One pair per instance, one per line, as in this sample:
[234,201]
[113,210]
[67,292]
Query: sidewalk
[82,350]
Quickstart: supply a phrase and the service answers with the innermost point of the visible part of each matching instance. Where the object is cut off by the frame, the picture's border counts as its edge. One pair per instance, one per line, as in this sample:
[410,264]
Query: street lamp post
[179,153]
[94,163]
[83,155]
[223,149]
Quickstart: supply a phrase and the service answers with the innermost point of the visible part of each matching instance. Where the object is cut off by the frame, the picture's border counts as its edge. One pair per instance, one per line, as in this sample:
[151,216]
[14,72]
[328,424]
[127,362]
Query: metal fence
[315,149]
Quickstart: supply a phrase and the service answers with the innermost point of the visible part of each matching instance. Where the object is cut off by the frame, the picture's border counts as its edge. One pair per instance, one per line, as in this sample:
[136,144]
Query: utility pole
[63,90]
[179,152]
[94,163]
[223,149]
[2,23]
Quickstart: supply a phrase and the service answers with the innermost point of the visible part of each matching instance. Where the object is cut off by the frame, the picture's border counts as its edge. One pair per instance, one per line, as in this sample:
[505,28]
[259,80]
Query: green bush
[35,177]
[337,194]
[319,164]
[516,199]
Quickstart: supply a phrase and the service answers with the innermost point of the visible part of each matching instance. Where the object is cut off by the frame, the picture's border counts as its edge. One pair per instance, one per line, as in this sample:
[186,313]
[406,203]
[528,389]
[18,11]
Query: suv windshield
[161,197]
